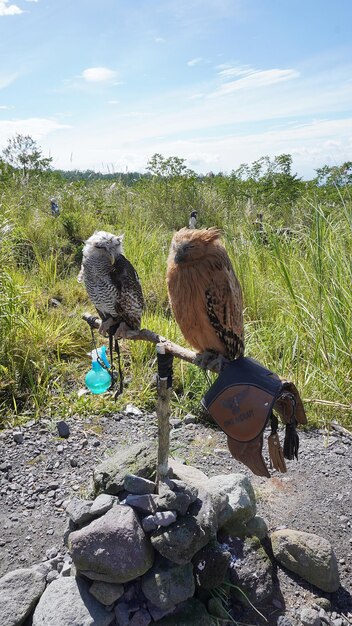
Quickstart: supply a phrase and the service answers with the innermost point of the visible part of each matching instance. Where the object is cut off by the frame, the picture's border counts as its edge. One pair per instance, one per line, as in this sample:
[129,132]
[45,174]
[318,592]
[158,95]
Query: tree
[23,152]
[170,167]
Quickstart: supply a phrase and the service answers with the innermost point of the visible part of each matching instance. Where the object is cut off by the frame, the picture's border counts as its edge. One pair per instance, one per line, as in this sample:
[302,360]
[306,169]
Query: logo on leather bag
[234,403]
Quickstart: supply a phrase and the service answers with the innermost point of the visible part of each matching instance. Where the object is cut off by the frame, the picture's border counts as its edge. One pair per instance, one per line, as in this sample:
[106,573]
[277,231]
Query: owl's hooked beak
[180,254]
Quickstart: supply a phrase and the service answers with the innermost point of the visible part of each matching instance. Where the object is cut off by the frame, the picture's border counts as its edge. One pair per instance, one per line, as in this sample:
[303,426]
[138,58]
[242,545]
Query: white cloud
[98,74]
[4,107]
[159,40]
[113,101]
[253,80]
[195,61]
[36,127]
[9,9]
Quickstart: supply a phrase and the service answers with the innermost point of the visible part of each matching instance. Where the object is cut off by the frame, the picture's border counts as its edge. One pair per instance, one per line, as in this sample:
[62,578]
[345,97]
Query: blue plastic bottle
[98,379]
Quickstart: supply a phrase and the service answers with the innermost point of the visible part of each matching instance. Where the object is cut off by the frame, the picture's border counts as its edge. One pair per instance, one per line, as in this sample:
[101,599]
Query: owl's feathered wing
[114,289]
[225,309]
[206,297]
[129,303]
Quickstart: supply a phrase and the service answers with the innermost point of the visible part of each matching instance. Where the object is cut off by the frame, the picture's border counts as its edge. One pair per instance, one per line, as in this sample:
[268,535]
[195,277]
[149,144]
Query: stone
[138,485]
[63,429]
[180,486]
[51,576]
[256,527]
[140,618]
[112,548]
[122,614]
[251,570]
[19,592]
[106,593]
[189,419]
[139,459]
[180,541]
[79,511]
[18,437]
[188,474]
[309,617]
[167,584]
[101,505]
[210,565]
[133,410]
[146,503]
[161,518]
[171,500]
[241,505]
[67,601]
[190,613]
[309,556]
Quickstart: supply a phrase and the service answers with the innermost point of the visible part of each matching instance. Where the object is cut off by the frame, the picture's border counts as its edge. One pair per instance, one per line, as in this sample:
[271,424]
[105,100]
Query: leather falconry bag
[241,402]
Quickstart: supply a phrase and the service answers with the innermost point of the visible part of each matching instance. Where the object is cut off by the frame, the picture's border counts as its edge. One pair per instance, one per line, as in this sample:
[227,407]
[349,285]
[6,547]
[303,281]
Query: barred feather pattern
[113,287]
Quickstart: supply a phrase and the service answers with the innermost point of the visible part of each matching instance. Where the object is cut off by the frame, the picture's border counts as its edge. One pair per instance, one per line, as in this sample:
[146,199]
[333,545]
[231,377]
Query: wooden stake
[163,414]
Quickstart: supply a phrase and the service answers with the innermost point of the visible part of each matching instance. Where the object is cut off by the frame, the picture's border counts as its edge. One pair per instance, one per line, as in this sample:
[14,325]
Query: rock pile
[139,556]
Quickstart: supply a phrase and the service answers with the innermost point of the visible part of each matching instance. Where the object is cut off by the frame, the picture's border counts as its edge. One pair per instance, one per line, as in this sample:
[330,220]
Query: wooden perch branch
[148,335]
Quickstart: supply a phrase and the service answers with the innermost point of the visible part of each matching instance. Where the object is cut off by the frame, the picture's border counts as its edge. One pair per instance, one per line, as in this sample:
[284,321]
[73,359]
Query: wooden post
[163,414]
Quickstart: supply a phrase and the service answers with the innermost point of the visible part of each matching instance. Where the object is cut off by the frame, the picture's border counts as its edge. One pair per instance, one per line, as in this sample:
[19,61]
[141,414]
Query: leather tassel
[291,443]
[276,453]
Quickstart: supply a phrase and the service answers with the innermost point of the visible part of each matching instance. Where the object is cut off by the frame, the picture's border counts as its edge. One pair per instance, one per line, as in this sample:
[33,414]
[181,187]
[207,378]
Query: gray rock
[161,518]
[112,548]
[256,527]
[18,437]
[139,459]
[106,593]
[138,485]
[251,570]
[19,592]
[307,555]
[188,474]
[101,505]
[122,614]
[241,505]
[283,620]
[79,511]
[182,487]
[140,618]
[210,565]
[190,613]
[189,419]
[309,617]
[51,576]
[63,429]
[146,503]
[171,500]
[67,601]
[180,541]
[167,584]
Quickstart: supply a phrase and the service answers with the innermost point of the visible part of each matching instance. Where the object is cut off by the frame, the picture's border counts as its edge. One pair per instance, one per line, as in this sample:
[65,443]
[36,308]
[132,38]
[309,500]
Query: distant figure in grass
[55,211]
[193,220]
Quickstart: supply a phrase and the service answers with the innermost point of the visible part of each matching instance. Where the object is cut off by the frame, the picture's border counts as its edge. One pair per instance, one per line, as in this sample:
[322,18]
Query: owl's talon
[210,360]
[122,331]
[105,325]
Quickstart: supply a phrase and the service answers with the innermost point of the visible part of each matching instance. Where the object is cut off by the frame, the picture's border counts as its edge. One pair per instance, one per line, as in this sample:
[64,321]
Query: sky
[105,84]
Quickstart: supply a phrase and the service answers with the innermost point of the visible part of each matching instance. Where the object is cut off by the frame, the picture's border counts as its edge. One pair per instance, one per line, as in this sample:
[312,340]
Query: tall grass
[297,292]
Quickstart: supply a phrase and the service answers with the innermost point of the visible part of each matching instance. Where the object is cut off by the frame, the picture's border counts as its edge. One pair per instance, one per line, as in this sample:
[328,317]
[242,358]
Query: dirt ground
[39,473]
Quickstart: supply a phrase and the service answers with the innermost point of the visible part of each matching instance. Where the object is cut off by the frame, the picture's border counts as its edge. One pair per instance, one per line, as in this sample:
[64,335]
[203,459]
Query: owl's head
[190,245]
[104,242]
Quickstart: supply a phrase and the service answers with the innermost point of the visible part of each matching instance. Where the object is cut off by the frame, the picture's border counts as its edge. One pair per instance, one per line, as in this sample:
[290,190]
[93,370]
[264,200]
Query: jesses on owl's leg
[209,359]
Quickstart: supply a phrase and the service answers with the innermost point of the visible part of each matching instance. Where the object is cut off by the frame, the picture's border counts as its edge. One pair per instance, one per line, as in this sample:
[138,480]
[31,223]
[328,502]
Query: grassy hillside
[296,284]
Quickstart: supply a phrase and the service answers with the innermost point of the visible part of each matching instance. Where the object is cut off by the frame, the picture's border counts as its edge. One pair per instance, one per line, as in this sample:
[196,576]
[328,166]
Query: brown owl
[204,293]
[112,283]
